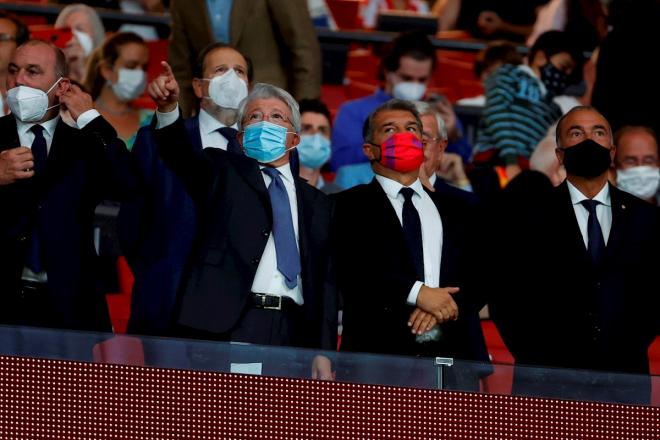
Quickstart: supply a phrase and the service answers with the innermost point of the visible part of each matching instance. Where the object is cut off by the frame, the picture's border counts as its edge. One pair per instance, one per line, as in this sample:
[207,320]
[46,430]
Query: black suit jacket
[554,308]
[235,220]
[83,167]
[375,273]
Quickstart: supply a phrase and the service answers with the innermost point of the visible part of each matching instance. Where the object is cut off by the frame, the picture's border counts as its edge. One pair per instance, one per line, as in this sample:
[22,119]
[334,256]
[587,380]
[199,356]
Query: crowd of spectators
[251,212]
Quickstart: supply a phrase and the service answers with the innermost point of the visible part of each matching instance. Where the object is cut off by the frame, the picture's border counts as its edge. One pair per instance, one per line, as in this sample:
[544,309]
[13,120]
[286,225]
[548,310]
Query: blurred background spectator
[88,34]
[277,35]
[116,77]
[636,162]
[13,33]
[149,33]
[314,149]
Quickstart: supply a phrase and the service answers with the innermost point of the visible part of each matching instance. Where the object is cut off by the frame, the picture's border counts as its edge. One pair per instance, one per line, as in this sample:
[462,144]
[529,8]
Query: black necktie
[596,247]
[39,149]
[412,230]
[40,155]
[232,142]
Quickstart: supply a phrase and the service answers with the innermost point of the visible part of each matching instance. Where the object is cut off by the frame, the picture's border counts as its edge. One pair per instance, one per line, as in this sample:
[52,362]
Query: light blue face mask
[264,141]
[314,150]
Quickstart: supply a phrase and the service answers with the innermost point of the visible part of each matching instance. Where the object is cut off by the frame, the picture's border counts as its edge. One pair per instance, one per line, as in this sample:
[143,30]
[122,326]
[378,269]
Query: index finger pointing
[167,70]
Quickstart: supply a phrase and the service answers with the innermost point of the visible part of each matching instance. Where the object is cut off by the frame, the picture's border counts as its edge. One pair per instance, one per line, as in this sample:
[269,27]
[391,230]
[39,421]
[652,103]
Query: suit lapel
[619,220]
[249,170]
[192,126]
[240,13]
[567,225]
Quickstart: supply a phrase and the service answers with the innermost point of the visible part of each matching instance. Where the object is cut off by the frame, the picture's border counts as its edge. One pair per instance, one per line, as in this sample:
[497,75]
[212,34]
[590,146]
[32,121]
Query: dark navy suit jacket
[156,231]
[84,167]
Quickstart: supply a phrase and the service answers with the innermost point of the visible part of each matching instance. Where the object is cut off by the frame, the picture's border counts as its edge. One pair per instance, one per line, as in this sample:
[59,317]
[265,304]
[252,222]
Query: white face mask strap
[53,86]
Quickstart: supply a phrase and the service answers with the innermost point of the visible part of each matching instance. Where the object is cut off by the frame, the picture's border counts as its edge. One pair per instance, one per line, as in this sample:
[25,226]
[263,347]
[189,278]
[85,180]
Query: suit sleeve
[180,58]
[295,25]
[193,167]
[110,160]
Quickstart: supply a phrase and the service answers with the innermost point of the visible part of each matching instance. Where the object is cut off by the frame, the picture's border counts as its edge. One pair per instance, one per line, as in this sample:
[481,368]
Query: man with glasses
[258,272]
[13,33]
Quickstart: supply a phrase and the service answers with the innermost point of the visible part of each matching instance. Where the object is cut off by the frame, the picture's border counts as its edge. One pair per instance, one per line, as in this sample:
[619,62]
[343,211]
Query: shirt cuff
[86,118]
[412,296]
[165,119]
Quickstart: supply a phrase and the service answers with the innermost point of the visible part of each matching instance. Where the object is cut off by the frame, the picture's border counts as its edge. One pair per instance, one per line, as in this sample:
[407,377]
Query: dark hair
[198,67]
[413,44]
[22,32]
[314,106]
[498,51]
[392,104]
[107,53]
[61,66]
[554,42]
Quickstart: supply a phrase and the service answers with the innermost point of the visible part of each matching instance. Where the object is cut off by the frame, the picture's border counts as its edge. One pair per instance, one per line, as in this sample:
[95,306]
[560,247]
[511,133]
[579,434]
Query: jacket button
[265,233]
[22,239]
[255,261]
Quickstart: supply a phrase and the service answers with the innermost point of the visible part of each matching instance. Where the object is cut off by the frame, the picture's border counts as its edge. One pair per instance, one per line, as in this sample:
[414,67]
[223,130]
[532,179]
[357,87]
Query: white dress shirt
[268,279]
[208,126]
[26,137]
[431,230]
[603,211]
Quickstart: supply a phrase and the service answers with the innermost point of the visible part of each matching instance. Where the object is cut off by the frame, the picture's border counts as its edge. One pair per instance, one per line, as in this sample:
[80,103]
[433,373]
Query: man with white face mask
[406,70]
[52,176]
[222,75]
[637,162]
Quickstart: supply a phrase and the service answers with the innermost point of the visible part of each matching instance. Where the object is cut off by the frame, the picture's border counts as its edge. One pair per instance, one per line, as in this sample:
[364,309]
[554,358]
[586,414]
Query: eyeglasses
[426,138]
[276,117]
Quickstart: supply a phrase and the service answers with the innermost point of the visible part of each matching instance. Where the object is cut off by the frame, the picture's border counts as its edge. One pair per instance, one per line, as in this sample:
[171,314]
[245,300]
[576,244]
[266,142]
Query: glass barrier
[428,373]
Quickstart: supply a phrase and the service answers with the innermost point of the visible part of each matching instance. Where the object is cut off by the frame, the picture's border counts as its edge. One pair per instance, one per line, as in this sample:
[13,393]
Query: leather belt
[271,302]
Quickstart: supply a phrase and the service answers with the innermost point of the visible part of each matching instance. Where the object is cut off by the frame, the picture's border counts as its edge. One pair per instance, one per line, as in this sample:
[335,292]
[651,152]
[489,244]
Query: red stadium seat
[157,53]
[46,32]
[345,13]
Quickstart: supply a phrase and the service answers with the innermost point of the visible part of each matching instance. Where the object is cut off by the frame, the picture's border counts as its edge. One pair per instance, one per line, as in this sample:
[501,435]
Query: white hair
[424,108]
[94,19]
[267,91]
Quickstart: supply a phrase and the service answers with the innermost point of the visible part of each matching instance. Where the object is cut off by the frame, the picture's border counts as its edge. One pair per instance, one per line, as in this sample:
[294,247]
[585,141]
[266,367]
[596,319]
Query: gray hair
[578,108]
[424,108]
[95,21]
[268,91]
[392,104]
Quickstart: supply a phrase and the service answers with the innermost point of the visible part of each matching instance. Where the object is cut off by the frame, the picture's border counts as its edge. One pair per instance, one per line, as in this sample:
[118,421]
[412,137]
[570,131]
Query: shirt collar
[208,124]
[392,187]
[49,126]
[285,171]
[603,195]
[525,68]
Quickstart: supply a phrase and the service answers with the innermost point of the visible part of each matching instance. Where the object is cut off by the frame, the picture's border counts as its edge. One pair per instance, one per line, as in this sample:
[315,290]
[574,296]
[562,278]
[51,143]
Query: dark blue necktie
[412,230]
[232,141]
[40,155]
[288,258]
[39,149]
[596,247]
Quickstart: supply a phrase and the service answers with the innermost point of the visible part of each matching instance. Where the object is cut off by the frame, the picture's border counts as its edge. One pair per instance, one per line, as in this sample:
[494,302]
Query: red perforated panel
[70,400]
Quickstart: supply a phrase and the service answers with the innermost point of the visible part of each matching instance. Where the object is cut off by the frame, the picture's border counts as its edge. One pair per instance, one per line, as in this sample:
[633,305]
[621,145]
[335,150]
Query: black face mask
[554,79]
[587,159]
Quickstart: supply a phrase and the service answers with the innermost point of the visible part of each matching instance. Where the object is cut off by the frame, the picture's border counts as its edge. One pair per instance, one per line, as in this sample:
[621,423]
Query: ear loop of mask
[51,89]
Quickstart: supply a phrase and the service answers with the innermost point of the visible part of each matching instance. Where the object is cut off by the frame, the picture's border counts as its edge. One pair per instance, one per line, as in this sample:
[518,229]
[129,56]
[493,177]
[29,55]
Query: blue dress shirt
[219,13]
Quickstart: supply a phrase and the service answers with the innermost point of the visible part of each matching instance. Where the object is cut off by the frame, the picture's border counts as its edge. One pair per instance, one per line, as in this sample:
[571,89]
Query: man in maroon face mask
[400,251]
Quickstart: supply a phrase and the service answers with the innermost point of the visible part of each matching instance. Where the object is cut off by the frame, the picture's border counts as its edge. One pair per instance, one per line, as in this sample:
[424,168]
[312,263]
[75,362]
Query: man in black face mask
[582,297]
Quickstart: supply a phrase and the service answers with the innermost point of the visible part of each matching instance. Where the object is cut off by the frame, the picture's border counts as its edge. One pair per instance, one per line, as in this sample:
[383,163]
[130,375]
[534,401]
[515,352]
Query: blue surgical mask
[314,150]
[264,141]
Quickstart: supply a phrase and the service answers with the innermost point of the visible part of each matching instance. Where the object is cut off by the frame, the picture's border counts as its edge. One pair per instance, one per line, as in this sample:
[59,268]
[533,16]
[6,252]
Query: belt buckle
[276,307]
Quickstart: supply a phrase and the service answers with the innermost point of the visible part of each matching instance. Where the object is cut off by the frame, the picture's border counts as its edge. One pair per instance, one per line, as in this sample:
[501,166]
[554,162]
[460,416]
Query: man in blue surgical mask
[258,270]
[315,149]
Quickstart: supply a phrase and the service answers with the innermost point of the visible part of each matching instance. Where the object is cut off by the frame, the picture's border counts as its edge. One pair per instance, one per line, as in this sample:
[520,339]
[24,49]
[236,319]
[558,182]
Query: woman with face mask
[116,77]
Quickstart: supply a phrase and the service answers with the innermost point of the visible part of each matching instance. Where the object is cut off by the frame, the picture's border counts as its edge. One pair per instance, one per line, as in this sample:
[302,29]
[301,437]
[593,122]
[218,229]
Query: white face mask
[86,42]
[29,104]
[408,90]
[130,84]
[227,90]
[642,181]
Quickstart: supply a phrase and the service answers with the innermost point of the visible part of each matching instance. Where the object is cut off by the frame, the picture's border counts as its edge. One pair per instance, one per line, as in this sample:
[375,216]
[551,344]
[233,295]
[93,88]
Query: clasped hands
[435,305]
